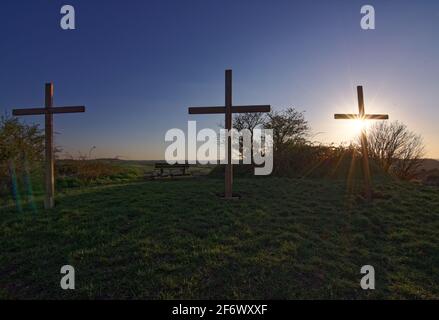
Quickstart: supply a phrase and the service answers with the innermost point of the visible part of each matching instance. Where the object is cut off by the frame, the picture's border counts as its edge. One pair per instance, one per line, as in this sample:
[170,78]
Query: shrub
[21,150]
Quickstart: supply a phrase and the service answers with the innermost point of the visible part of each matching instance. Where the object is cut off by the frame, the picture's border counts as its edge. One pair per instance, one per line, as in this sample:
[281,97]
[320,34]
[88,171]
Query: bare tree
[248,121]
[395,148]
[409,158]
[289,127]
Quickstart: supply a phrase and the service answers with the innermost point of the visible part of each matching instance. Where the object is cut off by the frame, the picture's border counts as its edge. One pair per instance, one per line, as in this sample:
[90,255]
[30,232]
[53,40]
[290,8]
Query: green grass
[285,239]
[117,172]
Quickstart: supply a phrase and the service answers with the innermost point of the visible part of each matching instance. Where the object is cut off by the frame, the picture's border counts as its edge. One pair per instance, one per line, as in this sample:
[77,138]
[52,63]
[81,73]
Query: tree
[395,148]
[290,130]
[18,143]
[249,121]
[289,127]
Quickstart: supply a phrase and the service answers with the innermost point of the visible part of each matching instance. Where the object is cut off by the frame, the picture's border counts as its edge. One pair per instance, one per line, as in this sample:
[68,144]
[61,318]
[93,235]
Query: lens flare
[28,182]
[358,125]
[14,185]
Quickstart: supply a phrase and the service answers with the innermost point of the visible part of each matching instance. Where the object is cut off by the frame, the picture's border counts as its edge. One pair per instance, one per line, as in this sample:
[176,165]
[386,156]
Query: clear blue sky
[137,65]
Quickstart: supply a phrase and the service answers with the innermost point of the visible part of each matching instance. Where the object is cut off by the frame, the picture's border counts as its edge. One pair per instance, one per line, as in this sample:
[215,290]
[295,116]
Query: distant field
[286,239]
[147,166]
[73,174]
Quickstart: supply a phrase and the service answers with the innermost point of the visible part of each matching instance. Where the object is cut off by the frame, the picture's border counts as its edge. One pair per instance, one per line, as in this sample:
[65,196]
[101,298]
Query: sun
[358,125]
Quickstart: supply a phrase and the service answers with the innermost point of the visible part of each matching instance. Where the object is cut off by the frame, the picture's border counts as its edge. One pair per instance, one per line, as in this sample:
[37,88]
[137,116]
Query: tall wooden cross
[228,110]
[49,110]
[363,116]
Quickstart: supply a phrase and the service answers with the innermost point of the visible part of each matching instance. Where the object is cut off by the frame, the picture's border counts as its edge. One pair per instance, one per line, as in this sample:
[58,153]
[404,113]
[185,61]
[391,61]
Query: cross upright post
[49,201]
[364,148]
[228,109]
[49,110]
[229,166]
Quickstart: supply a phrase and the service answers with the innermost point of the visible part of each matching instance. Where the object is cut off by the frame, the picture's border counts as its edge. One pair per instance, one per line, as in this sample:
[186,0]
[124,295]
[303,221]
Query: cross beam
[363,116]
[228,110]
[49,110]
[354,116]
[53,110]
[235,109]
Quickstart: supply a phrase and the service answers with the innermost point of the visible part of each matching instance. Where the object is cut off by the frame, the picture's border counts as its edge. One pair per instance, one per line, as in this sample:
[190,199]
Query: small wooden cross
[363,116]
[48,111]
[228,110]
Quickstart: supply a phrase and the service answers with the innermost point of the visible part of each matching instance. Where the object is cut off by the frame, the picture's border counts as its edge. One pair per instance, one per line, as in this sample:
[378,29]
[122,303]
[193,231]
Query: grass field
[285,239]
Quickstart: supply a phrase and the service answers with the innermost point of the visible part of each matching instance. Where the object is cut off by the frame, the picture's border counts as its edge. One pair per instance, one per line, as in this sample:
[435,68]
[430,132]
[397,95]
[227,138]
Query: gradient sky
[137,65]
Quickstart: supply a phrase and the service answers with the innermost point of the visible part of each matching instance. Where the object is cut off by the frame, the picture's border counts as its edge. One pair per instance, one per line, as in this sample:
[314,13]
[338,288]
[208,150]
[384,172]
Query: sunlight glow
[359,125]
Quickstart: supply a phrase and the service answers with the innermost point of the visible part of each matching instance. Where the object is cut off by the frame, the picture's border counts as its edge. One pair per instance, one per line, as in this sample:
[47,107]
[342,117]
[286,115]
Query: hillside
[428,173]
[430,164]
[286,238]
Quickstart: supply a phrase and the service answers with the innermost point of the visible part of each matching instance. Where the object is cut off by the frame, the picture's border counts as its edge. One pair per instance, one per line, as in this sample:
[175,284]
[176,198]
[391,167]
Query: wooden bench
[171,168]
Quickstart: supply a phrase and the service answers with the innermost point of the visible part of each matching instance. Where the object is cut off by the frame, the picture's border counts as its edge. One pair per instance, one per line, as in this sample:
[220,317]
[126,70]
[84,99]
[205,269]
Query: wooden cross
[48,111]
[363,116]
[228,110]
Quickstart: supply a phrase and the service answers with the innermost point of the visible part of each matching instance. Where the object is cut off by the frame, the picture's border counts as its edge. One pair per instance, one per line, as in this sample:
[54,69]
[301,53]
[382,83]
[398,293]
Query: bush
[307,160]
[86,170]
[21,150]
[68,182]
[82,172]
[395,148]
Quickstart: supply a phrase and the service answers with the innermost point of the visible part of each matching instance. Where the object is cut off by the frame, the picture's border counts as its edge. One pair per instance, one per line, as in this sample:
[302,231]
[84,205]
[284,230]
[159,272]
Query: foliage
[21,145]
[17,139]
[397,149]
[82,172]
[289,128]
[294,154]
[392,147]
[305,159]
[86,170]
[248,121]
